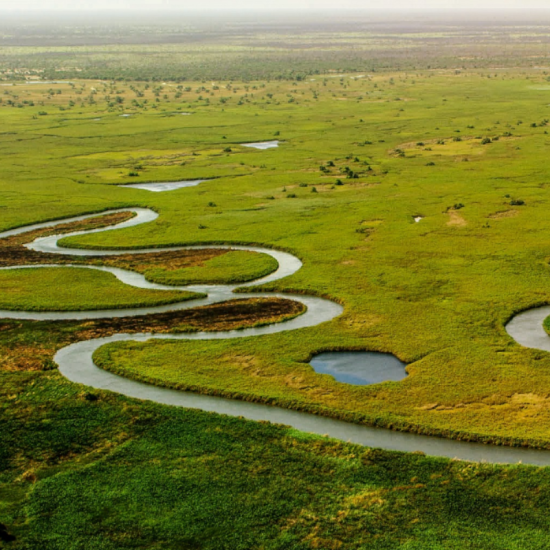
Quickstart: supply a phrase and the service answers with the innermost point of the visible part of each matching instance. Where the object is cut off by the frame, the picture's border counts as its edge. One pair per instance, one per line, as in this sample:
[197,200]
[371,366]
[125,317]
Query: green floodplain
[416,196]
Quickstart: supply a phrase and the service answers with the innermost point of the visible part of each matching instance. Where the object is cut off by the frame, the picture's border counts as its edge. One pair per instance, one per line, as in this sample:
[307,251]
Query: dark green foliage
[112,473]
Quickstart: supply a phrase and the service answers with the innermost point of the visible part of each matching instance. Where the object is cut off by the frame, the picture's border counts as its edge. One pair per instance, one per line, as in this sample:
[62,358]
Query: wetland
[367,261]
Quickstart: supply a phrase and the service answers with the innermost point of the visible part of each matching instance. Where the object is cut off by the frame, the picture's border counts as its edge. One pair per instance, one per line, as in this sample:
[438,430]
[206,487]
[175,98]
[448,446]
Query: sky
[262,5]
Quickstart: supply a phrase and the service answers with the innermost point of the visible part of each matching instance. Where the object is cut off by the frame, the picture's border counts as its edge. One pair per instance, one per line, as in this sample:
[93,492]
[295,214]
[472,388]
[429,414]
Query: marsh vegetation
[414,188]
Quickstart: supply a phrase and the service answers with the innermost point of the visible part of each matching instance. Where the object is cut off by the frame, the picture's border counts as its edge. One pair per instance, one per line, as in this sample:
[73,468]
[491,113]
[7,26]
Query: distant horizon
[390,10]
[282,6]
[350,9]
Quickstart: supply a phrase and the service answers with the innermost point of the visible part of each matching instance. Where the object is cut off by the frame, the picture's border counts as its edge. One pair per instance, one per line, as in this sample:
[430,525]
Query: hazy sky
[225,5]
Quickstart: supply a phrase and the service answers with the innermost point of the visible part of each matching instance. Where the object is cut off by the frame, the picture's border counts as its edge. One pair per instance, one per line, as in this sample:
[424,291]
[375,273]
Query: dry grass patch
[455,219]
[512,213]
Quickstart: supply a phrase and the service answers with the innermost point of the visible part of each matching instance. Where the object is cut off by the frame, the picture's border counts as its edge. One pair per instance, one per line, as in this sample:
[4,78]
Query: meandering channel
[76,363]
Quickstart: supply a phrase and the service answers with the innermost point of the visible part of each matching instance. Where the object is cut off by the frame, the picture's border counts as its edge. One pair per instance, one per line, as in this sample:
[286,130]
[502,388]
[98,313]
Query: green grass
[436,293]
[440,290]
[90,470]
[234,267]
[73,289]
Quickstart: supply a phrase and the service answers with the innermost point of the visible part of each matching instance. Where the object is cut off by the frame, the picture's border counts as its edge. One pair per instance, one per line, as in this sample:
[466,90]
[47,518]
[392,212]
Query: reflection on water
[165,186]
[263,145]
[360,368]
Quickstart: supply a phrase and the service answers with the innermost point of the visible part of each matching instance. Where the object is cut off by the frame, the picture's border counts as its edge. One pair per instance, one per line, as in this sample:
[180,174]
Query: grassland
[435,293]
[92,470]
[465,150]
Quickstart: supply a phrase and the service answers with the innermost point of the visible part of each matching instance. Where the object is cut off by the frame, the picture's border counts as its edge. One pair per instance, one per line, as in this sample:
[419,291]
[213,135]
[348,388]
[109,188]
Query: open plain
[412,195]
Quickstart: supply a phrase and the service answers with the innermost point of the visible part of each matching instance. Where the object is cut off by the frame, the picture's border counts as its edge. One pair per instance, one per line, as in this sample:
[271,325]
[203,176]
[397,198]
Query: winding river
[76,364]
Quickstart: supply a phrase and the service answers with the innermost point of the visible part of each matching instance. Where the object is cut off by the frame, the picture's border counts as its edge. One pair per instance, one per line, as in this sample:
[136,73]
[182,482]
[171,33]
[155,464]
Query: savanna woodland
[398,173]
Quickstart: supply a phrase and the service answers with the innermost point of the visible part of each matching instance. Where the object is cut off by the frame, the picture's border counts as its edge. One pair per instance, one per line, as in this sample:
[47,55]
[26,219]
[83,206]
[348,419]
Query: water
[262,145]
[76,362]
[360,368]
[164,186]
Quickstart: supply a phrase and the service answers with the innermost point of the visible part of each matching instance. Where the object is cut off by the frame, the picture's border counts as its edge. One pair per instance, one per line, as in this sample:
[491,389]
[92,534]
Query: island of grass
[226,267]
[76,289]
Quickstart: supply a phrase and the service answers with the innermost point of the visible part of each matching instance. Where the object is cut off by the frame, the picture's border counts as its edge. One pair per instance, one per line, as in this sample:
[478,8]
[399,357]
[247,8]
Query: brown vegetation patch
[24,358]
[526,404]
[503,214]
[170,260]
[231,315]
[529,399]
[456,219]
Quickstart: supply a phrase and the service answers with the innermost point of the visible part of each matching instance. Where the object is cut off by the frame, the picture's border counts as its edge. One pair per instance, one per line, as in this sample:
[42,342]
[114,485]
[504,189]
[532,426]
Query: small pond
[263,145]
[360,368]
[165,186]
